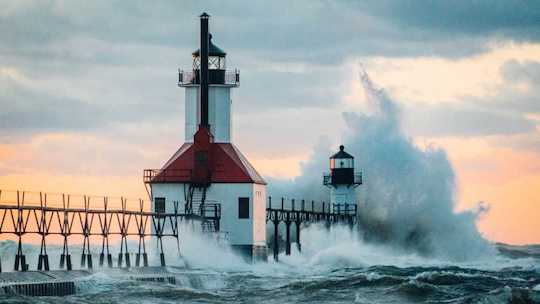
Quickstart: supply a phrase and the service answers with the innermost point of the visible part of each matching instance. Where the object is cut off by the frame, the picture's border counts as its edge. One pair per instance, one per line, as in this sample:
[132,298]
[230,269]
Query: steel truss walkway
[299,215]
[43,219]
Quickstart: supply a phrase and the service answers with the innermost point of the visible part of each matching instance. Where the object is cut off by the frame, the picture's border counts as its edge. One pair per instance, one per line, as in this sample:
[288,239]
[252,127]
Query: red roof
[228,165]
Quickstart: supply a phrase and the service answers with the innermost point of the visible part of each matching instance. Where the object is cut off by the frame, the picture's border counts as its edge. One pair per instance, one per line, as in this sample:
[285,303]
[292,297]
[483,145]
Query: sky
[89,96]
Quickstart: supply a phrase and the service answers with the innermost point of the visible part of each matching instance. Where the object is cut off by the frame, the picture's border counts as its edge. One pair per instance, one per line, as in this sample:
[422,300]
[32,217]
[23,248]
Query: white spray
[407,199]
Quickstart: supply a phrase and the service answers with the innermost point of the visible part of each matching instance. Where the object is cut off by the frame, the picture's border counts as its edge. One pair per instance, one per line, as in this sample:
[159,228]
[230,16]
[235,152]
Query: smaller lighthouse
[342,180]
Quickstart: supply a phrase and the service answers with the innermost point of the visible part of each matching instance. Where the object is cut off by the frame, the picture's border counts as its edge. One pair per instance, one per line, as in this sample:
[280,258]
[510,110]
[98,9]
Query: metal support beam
[276,238]
[298,243]
[288,236]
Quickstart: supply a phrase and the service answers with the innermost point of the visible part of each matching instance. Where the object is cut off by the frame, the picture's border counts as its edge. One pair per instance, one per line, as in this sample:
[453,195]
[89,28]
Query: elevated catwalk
[302,215]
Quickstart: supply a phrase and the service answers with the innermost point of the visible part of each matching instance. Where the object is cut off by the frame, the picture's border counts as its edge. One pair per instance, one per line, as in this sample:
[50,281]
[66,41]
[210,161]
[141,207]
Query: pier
[63,283]
[298,214]
[90,219]
[81,220]
[86,217]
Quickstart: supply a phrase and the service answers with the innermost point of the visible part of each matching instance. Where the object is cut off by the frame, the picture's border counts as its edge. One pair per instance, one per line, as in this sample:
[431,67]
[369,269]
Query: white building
[208,169]
[342,180]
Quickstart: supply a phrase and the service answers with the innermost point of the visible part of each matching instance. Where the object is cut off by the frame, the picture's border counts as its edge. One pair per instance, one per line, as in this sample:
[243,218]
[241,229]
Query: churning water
[334,267]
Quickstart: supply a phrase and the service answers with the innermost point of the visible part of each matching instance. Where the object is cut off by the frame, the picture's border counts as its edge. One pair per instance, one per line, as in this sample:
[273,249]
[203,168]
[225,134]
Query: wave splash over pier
[407,199]
[410,246]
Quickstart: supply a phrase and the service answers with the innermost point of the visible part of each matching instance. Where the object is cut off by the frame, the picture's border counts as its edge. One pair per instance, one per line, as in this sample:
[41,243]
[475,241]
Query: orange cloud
[507,179]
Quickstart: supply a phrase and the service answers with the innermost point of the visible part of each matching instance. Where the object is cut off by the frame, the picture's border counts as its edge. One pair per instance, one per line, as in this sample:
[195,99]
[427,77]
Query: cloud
[464,119]
[306,31]
[65,154]
[505,105]
[528,71]
[100,65]
[517,20]
[100,98]
[522,90]
[96,63]
[25,109]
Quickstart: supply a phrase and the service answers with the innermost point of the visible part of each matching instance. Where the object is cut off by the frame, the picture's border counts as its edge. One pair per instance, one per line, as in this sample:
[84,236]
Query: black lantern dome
[216,57]
[217,73]
[342,170]
[341,160]
[213,50]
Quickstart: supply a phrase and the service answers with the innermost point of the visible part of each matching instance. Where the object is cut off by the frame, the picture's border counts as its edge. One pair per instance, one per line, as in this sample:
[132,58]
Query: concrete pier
[62,283]
[41,283]
[147,274]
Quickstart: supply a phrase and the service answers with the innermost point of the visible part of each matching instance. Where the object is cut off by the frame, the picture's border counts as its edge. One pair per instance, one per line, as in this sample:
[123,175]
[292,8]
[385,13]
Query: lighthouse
[208,170]
[342,180]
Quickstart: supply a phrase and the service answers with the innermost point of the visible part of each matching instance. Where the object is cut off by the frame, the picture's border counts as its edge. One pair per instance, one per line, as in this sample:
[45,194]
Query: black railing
[165,175]
[345,209]
[309,207]
[358,178]
[328,180]
[189,78]
[206,210]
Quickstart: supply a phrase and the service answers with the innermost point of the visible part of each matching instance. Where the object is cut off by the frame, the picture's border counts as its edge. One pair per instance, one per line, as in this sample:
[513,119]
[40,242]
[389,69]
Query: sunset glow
[86,110]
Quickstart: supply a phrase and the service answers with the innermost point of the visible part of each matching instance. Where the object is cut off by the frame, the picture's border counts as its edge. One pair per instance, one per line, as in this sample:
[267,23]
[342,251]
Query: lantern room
[216,57]
[341,160]
[342,170]
[217,67]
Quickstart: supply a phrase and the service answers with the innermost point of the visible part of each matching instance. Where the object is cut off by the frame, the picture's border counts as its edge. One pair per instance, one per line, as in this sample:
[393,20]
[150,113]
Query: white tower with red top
[220,83]
[208,171]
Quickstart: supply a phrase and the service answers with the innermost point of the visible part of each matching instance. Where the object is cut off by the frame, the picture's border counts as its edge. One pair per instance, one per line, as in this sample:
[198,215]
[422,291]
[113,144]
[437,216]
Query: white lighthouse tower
[208,170]
[220,83]
[342,180]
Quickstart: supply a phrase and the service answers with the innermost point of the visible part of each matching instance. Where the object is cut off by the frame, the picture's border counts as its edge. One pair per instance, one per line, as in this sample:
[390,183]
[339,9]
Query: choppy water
[344,271]
[376,284]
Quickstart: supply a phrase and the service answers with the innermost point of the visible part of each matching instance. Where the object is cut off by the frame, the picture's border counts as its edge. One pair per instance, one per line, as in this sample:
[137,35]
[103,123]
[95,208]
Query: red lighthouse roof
[204,162]
[227,165]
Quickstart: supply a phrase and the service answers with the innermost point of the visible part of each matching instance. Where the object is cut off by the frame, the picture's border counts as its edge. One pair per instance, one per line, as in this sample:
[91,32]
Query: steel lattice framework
[121,221]
[329,214]
[20,218]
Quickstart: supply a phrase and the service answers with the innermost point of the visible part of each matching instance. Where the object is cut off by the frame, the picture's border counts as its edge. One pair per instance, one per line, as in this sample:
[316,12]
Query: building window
[243,207]
[159,205]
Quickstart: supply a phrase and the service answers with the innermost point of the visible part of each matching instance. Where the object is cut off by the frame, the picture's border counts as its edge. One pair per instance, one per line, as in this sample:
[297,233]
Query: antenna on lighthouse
[204,69]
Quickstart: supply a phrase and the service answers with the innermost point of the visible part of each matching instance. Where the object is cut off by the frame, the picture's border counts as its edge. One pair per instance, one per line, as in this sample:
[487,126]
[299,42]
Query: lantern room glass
[214,62]
[341,163]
